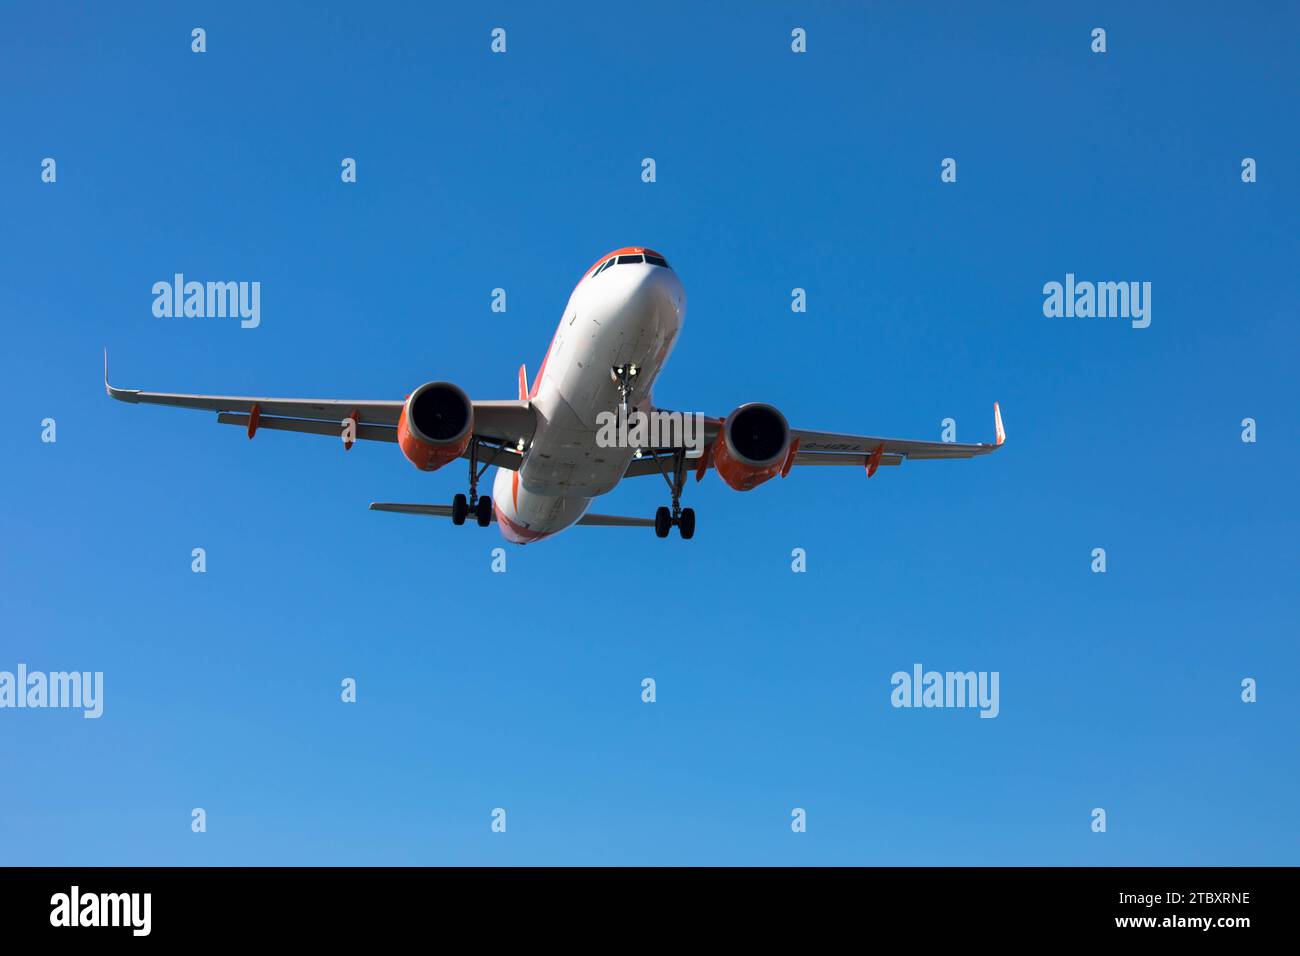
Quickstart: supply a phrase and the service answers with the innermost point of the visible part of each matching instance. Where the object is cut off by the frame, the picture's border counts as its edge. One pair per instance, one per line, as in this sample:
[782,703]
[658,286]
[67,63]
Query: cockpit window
[650,257]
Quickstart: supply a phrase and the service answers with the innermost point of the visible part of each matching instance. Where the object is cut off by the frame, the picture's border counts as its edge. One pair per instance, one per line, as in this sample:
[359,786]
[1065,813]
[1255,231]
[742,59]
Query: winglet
[997,424]
[121,394]
[523,383]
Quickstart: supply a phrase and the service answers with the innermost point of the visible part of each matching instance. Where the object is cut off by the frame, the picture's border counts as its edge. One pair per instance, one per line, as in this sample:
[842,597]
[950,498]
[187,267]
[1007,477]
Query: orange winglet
[997,424]
[356,423]
[789,458]
[254,414]
[873,461]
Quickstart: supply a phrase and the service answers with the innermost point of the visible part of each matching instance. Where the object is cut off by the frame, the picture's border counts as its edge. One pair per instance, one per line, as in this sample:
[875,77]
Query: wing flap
[842,458]
[311,427]
[833,443]
[489,455]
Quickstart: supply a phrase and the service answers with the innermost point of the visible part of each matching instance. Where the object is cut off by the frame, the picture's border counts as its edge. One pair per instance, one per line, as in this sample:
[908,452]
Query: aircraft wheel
[686,524]
[459,509]
[663,522]
[483,511]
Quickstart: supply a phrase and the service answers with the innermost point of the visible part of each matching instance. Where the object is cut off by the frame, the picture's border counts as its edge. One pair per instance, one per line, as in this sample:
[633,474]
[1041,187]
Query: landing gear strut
[481,508]
[681,518]
[624,377]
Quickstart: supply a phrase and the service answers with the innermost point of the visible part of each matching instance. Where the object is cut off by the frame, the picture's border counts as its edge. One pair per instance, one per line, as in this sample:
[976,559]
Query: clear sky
[775,170]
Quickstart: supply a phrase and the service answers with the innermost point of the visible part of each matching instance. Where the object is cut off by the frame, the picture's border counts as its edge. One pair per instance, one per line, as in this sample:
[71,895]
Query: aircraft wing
[815,445]
[504,422]
[832,448]
[444,511]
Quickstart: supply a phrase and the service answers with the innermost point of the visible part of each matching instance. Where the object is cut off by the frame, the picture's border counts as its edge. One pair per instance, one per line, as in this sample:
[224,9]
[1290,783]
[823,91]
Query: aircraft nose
[656,289]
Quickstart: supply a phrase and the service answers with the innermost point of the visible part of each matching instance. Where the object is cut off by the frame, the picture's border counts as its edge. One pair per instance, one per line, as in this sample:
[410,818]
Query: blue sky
[522,690]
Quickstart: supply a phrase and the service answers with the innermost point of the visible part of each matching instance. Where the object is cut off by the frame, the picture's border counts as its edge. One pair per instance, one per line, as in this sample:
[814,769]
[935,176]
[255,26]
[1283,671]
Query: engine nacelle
[436,425]
[752,446]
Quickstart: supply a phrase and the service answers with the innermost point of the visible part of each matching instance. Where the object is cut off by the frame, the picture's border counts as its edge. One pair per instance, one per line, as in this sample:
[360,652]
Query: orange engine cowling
[752,446]
[436,425]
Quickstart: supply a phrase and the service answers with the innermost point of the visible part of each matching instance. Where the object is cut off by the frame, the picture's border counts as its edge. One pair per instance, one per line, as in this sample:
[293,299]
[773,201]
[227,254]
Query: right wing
[502,422]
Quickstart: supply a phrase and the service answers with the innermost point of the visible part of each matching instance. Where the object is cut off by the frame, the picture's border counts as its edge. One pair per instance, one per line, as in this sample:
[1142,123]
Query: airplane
[614,337]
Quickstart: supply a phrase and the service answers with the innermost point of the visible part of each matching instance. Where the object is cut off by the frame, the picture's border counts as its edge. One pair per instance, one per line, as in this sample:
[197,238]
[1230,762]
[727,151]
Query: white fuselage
[628,314]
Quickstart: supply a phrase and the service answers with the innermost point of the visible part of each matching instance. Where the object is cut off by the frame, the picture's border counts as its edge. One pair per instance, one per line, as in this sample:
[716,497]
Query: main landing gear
[681,518]
[480,508]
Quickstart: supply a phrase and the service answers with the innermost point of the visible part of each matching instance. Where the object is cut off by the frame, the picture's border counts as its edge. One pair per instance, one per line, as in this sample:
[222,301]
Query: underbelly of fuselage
[629,316]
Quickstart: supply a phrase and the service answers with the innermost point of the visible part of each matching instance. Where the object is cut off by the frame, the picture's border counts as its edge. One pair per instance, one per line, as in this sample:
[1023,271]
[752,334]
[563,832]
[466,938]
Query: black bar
[206,905]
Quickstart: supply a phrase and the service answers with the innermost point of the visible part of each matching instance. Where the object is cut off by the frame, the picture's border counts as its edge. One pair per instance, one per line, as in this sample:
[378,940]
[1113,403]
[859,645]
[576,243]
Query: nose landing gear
[624,377]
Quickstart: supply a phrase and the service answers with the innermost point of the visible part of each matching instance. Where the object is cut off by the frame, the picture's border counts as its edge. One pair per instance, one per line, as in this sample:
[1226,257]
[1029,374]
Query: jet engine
[436,425]
[752,446]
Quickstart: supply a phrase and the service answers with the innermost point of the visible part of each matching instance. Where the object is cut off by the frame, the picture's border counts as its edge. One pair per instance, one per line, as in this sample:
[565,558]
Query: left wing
[814,444]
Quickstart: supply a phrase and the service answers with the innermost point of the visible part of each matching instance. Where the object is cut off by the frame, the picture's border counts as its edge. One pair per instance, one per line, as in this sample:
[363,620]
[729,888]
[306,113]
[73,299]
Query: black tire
[483,511]
[686,524]
[663,522]
[459,509]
